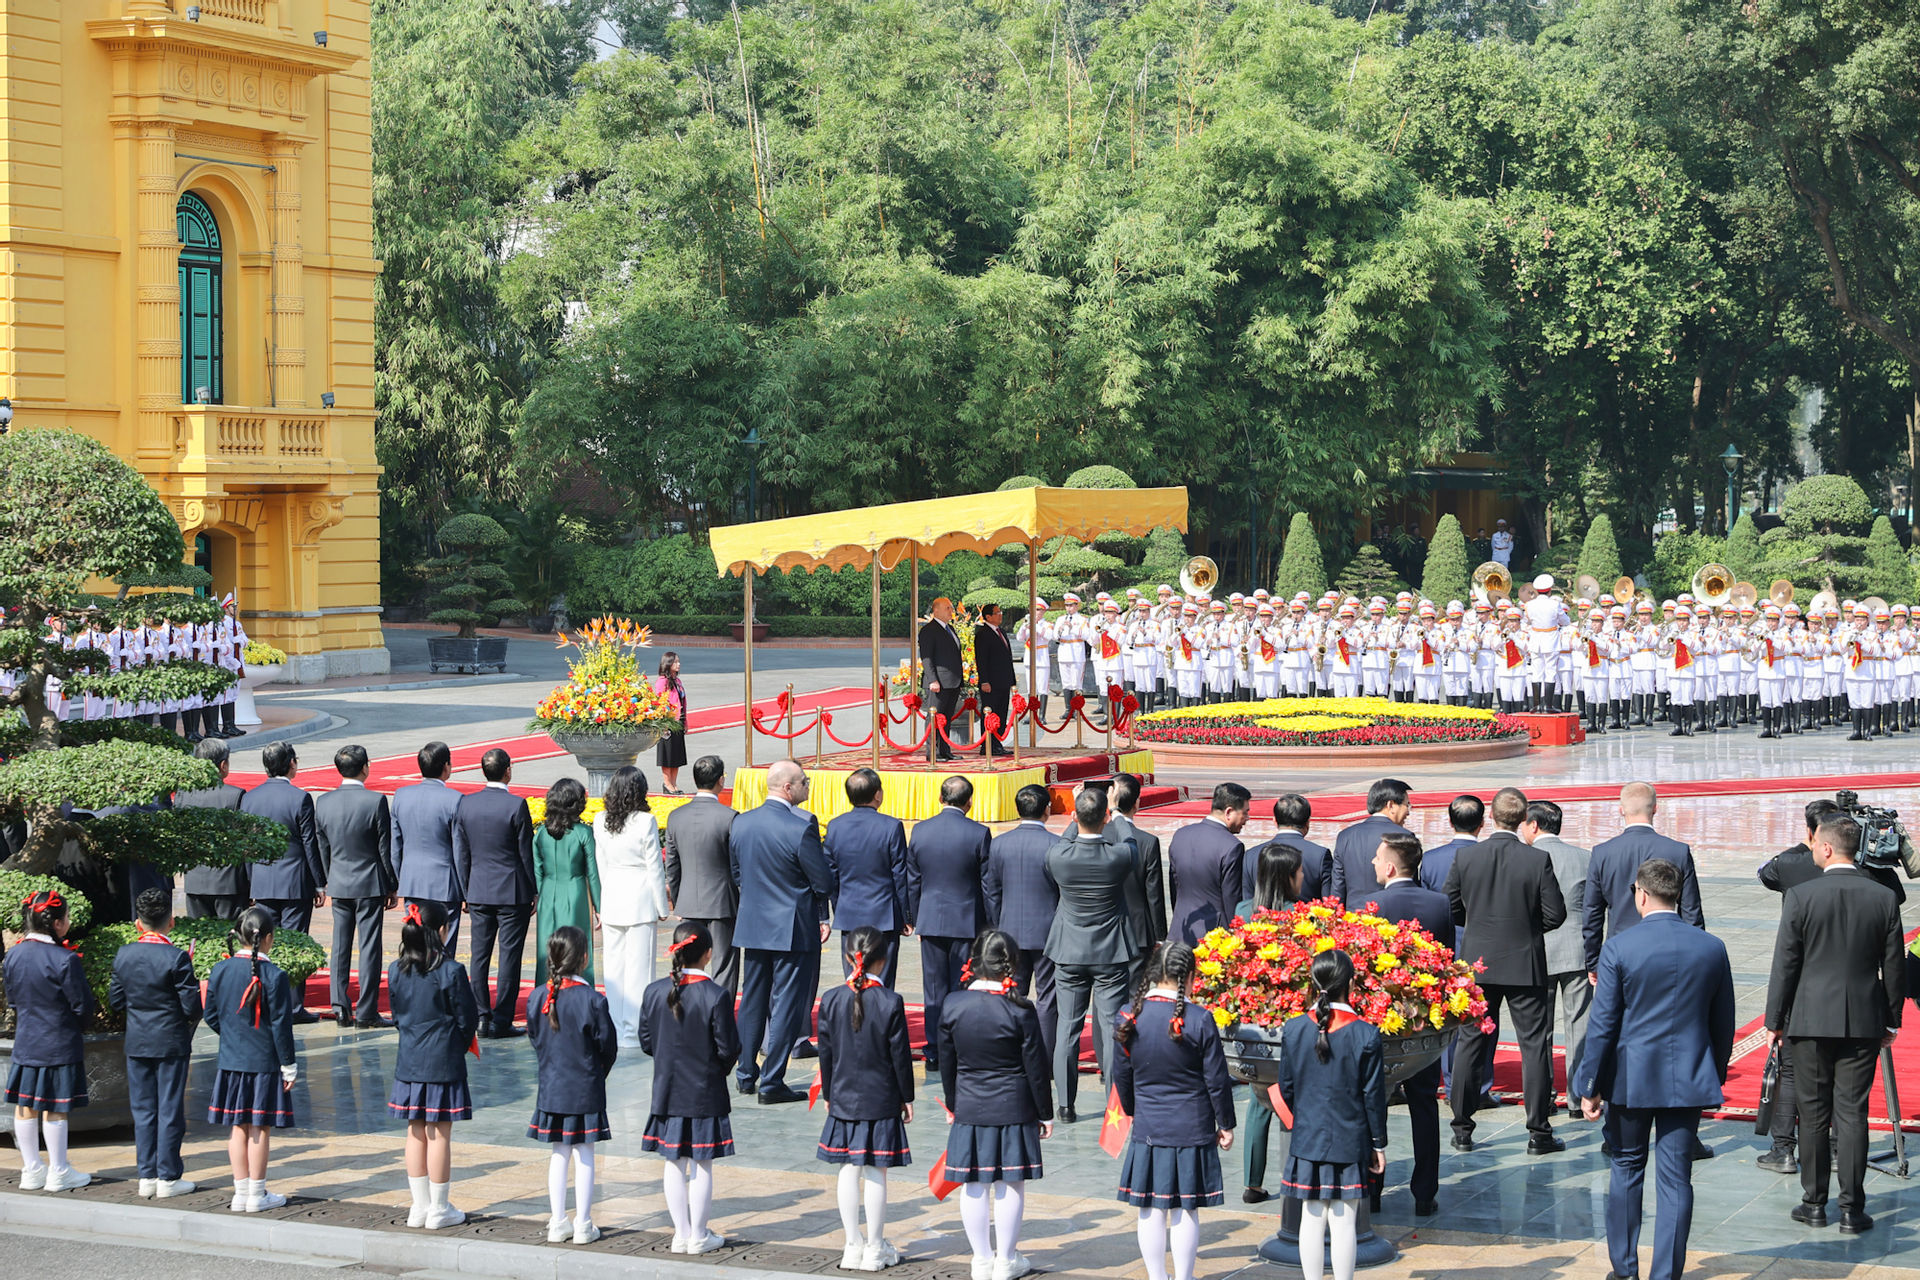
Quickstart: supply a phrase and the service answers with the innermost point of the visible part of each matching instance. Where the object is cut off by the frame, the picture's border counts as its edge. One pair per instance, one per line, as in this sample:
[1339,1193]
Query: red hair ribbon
[1007,985]
[966,973]
[858,971]
[1177,1024]
[258,994]
[683,944]
[413,915]
[49,900]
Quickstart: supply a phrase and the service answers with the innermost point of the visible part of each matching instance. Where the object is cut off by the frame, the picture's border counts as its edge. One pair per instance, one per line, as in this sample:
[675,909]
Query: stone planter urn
[1253,1055]
[106,1059]
[739,629]
[604,754]
[458,653]
[244,712]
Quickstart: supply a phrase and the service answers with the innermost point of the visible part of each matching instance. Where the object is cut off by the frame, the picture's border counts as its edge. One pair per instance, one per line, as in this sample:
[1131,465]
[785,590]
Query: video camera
[1883,841]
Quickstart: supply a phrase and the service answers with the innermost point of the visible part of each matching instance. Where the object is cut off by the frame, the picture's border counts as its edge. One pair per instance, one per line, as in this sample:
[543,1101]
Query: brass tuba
[1200,576]
[1713,584]
[1493,581]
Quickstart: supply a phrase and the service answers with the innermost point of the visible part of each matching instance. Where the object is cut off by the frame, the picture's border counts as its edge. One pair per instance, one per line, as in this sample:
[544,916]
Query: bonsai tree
[1445,577]
[1369,574]
[1301,568]
[1600,554]
[1821,544]
[474,590]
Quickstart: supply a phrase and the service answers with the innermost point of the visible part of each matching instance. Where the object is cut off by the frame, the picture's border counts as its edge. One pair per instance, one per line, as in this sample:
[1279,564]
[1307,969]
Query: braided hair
[691,944]
[420,936]
[995,959]
[862,945]
[254,926]
[1170,965]
[1332,980]
[566,957]
[41,910]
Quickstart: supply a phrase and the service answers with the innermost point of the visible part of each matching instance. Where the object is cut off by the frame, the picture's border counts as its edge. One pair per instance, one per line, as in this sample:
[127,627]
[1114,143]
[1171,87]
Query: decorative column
[157,284]
[288,305]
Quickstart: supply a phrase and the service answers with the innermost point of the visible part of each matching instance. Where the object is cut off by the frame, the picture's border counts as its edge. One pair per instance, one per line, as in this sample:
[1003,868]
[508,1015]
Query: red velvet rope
[826,722]
[761,725]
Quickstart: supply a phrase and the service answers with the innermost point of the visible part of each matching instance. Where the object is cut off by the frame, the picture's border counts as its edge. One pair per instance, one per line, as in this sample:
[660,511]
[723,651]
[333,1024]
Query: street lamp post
[1731,461]
[752,445]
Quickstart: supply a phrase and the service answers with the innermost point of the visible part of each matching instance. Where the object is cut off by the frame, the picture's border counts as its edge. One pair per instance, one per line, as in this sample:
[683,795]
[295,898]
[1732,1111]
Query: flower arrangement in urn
[1258,971]
[606,693]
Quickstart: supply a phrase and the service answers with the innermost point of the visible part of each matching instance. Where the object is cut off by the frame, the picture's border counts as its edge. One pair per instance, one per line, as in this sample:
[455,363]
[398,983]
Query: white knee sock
[700,1197]
[421,1199]
[1009,1209]
[557,1181]
[583,1182]
[26,1136]
[1183,1235]
[875,1183]
[1313,1239]
[54,1134]
[849,1191]
[1343,1221]
[976,1215]
[673,1179]
[1151,1228]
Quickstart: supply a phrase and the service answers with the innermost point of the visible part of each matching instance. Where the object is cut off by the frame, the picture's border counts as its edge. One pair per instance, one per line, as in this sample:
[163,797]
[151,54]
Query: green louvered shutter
[200,319]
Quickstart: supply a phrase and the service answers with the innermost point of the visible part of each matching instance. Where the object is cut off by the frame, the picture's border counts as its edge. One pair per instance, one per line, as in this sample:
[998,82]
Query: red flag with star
[937,1180]
[1118,1126]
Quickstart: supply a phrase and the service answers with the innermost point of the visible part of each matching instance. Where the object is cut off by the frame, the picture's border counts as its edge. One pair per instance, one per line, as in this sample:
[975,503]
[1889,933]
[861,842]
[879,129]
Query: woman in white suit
[633,888]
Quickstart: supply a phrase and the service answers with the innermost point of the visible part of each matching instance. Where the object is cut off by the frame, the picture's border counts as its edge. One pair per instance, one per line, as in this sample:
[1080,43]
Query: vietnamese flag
[1682,659]
[937,1180]
[1593,653]
[813,1093]
[1514,656]
[1118,1127]
[1280,1107]
[1267,650]
[473,1045]
[1109,647]
[1426,652]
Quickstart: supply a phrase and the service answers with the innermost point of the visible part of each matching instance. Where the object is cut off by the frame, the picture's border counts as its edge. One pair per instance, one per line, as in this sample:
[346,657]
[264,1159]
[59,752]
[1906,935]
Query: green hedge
[297,954]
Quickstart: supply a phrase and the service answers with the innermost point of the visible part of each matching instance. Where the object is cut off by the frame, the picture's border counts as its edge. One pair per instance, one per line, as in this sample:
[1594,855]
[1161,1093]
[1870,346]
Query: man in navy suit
[1350,870]
[1021,901]
[1613,872]
[1466,815]
[1291,814]
[493,858]
[217,893]
[867,852]
[423,838]
[1658,1041]
[946,899]
[785,883]
[1204,861]
[1396,864]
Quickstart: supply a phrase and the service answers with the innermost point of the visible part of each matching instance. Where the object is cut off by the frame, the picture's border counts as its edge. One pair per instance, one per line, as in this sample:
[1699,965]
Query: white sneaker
[167,1189]
[262,1199]
[983,1268]
[440,1216]
[242,1191]
[1011,1268]
[67,1179]
[708,1244]
[851,1256]
[879,1255]
[585,1232]
[560,1230]
[33,1179]
[146,1187]
[679,1244]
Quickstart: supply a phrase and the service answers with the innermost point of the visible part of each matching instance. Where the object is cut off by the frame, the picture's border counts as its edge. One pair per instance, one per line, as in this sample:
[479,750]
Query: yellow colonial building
[186,274]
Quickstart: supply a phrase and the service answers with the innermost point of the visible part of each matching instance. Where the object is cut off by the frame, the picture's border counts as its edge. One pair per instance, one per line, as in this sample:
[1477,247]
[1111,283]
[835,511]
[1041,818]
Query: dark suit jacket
[1660,1030]
[1506,895]
[1610,876]
[1313,866]
[214,882]
[1436,862]
[1203,874]
[699,860]
[1020,899]
[423,841]
[356,842]
[946,874]
[1091,925]
[1795,866]
[783,876]
[868,853]
[154,986]
[1147,897]
[940,655]
[1838,963]
[1350,875]
[1408,900]
[296,874]
[493,848]
[993,659]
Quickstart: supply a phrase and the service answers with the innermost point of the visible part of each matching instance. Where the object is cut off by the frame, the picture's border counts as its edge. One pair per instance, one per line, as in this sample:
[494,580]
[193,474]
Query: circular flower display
[1325,722]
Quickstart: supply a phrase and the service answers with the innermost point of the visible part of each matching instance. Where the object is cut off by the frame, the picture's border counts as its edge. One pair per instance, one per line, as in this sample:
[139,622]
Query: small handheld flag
[1117,1129]
[813,1092]
[1514,656]
[1280,1107]
[1682,657]
[1109,647]
[937,1180]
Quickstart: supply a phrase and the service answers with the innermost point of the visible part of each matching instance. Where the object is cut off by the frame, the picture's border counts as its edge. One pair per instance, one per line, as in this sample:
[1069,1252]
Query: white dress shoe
[262,1199]
[983,1268]
[851,1257]
[167,1189]
[441,1216]
[679,1244]
[1011,1268]
[67,1179]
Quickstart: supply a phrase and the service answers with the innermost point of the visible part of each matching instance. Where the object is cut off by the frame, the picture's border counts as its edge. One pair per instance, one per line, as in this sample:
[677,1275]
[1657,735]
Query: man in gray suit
[214,893]
[699,866]
[1092,943]
[423,838]
[356,855]
[292,885]
[1566,949]
[1146,900]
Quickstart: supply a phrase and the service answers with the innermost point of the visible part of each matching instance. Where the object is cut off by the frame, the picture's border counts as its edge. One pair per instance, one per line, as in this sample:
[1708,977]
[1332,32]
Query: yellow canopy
[938,527]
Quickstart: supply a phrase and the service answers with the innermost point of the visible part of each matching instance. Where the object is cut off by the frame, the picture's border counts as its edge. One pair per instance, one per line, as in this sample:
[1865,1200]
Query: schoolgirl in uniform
[866,1083]
[250,1007]
[687,1028]
[1171,1075]
[998,1089]
[437,1016]
[48,1076]
[574,1042]
[1333,1078]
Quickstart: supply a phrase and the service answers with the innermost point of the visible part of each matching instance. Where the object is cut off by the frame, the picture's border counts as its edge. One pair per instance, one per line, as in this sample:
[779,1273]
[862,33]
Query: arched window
[200,320]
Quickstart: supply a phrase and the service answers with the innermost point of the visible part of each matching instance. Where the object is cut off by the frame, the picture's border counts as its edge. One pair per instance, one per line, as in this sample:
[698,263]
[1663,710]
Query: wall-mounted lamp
[320,38]
[326,399]
[193,13]
[203,395]
[6,414]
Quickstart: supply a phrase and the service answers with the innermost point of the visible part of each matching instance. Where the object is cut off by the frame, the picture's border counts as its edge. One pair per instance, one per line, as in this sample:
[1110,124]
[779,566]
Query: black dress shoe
[1254,1195]
[1701,1151]
[1546,1146]
[1462,1144]
[778,1094]
[1853,1222]
[746,1088]
[304,1017]
[375,1023]
[1810,1215]
[1425,1208]
[1780,1160]
[508,1032]
[805,1049]
[1066,1115]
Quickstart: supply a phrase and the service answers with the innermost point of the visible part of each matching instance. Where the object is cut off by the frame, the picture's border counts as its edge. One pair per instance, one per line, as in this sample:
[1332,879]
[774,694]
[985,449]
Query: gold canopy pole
[748,635]
[878,709]
[1033,639]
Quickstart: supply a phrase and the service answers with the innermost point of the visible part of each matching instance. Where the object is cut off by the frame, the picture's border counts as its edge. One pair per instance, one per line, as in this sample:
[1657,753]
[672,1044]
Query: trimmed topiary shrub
[1301,566]
[1446,576]
[1020,482]
[1889,575]
[1100,476]
[1599,553]
[474,590]
[1742,551]
[1826,504]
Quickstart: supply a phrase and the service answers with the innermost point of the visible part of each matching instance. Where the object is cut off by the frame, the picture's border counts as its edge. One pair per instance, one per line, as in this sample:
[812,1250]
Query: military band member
[1264,652]
[1035,665]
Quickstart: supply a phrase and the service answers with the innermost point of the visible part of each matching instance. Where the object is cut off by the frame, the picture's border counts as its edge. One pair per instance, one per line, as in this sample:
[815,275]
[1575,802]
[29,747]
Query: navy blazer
[437,1016]
[865,1074]
[493,848]
[1203,878]
[52,1003]
[356,842]
[993,1063]
[296,874]
[243,1046]
[1505,894]
[693,1052]
[214,882]
[1313,866]
[1660,1031]
[1437,861]
[1350,875]
[574,1058]
[153,984]
[1176,1088]
[867,852]
[1406,900]
[1610,876]
[946,875]
[1340,1106]
[784,878]
[1021,897]
[1147,896]
[423,842]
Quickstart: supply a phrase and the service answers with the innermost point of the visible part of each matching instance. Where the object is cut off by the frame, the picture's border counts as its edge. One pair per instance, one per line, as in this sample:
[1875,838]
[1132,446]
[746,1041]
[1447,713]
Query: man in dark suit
[946,900]
[1091,942]
[292,885]
[1292,814]
[423,838]
[1021,901]
[944,663]
[993,664]
[1616,864]
[1566,949]
[1658,1044]
[1204,861]
[785,884]
[699,864]
[214,893]
[493,858]
[1466,815]
[1504,892]
[1839,980]
[1146,893]
[1350,869]
[356,852]
[868,853]
[1396,864]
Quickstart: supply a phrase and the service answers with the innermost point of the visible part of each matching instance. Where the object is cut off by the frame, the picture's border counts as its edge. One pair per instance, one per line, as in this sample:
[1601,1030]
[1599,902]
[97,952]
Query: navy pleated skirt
[1322,1180]
[413,1100]
[251,1098]
[571,1130]
[1170,1177]
[993,1153]
[688,1137]
[879,1143]
[60,1088]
